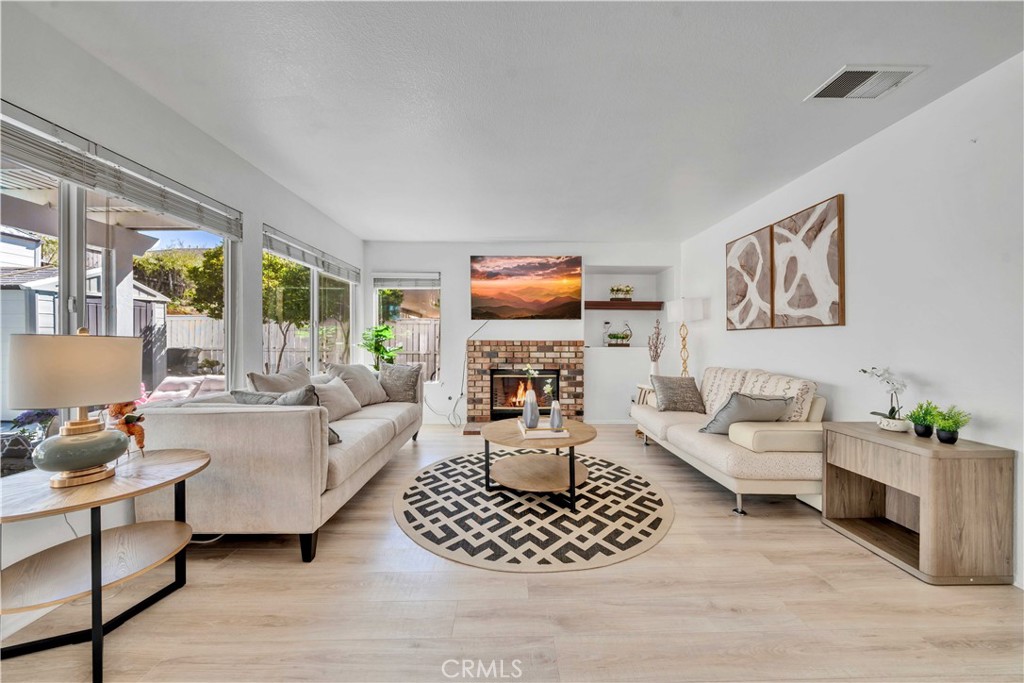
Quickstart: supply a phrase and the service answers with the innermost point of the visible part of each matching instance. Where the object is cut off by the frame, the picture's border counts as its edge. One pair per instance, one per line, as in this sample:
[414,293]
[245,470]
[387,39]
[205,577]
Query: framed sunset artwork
[526,287]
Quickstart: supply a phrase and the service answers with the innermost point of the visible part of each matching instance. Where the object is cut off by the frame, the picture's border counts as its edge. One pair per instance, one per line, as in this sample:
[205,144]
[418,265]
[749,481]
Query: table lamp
[684,311]
[75,371]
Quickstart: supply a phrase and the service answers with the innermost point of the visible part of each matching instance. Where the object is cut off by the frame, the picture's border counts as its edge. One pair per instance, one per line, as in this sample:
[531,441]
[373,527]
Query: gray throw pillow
[677,393]
[337,398]
[746,408]
[361,382]
[295,377]
[303,396]
[400,382]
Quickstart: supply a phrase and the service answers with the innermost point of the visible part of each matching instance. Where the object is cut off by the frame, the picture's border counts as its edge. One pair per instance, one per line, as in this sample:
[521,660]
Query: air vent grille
[864,82]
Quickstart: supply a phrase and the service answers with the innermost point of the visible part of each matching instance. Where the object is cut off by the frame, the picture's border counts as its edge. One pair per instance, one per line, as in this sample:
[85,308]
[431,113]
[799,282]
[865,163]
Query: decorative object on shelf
[894,386]
[682,311]
[621,292]
[61,371]
[526,287]
[655,347]
[375,340]
[555,419]
[127,421]
[803,256]
[949,422]
[620,339]
[923,416]
[531,411]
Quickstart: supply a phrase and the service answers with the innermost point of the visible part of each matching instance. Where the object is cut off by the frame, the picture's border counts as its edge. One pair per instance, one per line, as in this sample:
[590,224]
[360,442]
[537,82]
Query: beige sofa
[756,457]
[271,469]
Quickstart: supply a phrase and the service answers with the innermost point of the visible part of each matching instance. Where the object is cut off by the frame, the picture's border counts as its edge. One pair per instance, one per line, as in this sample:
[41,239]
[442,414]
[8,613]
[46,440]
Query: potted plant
[923,416]
[894,386]
[949,422]
[621,292]
[375,340]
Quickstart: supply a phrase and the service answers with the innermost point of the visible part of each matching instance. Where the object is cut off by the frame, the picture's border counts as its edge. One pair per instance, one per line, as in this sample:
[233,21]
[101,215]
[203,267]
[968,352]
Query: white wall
[452,261]
[933,267]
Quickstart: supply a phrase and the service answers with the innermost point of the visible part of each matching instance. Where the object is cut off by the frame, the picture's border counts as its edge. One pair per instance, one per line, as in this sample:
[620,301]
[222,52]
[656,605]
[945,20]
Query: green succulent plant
[952,419]
[924,413]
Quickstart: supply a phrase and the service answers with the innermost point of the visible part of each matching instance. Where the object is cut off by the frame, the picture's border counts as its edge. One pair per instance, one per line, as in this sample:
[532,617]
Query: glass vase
[531,411]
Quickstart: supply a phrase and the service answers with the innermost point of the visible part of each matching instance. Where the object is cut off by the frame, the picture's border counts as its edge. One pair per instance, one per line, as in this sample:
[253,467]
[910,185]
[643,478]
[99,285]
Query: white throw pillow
[360,380]
[290,379]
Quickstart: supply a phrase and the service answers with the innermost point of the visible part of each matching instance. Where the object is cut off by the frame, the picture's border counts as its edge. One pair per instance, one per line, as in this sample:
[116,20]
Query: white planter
[892,425]
[655,370]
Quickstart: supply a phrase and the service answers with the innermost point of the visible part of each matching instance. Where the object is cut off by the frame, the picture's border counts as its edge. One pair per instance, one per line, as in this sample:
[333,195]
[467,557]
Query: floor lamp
[684,311]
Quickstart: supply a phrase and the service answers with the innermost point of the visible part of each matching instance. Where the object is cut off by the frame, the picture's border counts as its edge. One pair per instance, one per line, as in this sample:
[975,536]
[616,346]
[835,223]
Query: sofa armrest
[767,437]
[268,467]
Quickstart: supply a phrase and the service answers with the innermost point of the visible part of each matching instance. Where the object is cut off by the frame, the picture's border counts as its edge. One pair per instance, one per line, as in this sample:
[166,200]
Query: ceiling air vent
[864,82]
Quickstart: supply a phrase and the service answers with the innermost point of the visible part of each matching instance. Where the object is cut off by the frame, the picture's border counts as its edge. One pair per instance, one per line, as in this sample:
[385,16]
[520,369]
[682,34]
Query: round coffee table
[536,472]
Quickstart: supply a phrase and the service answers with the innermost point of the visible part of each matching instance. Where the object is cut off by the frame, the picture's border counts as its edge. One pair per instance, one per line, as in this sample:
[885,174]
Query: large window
[286,313]
[335,316]
[411,305]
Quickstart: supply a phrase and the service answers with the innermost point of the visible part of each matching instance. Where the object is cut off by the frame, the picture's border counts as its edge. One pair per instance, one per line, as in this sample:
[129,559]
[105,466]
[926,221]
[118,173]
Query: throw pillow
[361,382]
[744,408]
[303,396]
[337,398]
[400,382]
[677,393]
[760,383]
[294,377]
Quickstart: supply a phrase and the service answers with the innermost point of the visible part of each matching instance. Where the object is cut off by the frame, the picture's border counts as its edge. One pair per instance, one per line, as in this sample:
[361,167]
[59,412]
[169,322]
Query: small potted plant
[949,422]
[923,416]
[891,419]
[621,292]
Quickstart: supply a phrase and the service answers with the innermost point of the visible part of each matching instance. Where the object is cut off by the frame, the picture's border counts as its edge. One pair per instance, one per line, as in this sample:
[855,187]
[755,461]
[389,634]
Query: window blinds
[407,281]
[278,242]
[106,171]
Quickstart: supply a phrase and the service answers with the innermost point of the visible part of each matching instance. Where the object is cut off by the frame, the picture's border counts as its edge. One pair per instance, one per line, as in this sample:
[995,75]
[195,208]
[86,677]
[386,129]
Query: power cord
[452,416]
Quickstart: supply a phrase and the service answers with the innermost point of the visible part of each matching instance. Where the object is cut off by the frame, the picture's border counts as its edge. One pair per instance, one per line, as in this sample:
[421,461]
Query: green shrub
[924,413]
[952,419]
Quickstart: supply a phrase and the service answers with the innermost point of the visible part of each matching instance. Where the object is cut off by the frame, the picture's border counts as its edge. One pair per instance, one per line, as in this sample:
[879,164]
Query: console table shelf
[942,513]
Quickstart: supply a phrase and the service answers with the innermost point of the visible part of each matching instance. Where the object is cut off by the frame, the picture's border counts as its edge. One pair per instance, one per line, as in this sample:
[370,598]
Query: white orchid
[894,386]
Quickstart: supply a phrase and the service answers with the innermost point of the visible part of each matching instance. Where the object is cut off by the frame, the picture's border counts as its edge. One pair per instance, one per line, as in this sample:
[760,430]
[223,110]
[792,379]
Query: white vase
[531,411]
[894,425]
[557,421]
[655,370]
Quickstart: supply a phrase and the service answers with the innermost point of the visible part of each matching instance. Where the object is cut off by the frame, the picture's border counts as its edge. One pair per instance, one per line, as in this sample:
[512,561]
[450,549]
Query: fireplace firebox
[508,391]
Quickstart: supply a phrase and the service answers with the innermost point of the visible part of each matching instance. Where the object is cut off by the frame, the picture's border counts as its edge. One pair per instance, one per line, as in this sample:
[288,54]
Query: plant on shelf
[949,422]
[375,340]
[894,386]
[923,416]
[621,292]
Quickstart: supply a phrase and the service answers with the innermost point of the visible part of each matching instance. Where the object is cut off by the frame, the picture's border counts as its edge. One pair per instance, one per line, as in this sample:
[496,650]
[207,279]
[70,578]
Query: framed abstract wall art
[526,287]
[748,279]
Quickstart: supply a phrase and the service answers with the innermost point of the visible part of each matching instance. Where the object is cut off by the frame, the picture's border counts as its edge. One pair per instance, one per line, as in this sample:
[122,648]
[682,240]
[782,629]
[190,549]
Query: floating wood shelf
[624,305]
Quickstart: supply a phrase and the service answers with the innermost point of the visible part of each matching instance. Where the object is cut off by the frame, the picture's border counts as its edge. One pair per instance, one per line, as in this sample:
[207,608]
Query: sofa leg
[739,505]
[645,438]
[307,543]
[415,436]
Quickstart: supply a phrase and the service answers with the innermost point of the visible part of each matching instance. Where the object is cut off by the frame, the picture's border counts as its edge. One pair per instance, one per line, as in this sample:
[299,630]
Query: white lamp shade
[684,310]
[67,371]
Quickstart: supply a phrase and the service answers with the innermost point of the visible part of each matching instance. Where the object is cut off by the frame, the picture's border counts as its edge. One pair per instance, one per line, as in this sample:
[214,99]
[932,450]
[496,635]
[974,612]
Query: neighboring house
[18,248]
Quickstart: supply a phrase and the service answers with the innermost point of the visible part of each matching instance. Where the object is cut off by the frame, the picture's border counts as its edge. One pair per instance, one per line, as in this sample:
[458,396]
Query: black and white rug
[445,509]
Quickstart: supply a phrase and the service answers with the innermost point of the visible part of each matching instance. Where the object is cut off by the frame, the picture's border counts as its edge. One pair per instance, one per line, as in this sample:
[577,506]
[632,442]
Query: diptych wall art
[789,274]
[526,287]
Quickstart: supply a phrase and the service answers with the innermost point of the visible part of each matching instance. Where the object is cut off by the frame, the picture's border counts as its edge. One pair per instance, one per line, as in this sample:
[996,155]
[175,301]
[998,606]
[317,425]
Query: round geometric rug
[445,509]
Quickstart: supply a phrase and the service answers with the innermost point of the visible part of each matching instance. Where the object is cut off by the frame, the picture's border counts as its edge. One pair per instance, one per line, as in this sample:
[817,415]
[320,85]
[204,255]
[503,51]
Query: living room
[319,170]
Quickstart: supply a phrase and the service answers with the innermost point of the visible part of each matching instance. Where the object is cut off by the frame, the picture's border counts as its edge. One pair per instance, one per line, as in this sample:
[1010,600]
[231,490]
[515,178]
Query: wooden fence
[421,341]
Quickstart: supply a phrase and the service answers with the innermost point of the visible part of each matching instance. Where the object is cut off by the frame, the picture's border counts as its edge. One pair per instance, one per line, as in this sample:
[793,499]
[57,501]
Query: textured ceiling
[499,121]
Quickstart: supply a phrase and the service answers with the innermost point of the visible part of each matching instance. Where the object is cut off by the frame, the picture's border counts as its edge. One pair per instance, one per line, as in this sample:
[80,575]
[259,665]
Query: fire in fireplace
[508,391]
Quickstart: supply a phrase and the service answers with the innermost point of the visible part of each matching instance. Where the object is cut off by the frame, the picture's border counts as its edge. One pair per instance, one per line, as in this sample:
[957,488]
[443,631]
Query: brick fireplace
[487,358]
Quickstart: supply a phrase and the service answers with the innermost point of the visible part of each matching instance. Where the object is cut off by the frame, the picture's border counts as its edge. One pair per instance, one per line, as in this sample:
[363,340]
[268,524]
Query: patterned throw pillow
[294,377]
[400,382]
[361,382]
[677,393]
[761,383]
[744,408]
[718,385]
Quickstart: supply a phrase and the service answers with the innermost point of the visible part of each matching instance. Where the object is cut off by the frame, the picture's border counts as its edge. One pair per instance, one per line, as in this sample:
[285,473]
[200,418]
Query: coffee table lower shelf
[536,472]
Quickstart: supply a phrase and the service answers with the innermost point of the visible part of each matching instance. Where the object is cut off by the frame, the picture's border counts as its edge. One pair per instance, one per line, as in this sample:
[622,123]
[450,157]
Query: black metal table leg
[487,465]
[96,542]
[179,516]
[572,478]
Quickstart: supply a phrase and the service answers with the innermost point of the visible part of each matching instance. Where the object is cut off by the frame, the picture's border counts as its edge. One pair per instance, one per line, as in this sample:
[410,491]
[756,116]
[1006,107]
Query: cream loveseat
[271,469]
[756,457]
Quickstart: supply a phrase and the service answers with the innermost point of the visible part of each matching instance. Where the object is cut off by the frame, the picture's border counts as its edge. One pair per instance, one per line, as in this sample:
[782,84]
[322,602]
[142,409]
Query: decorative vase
[924,431]
[893,425]
[531,412]
[947,437]
[655,370]
[557,421]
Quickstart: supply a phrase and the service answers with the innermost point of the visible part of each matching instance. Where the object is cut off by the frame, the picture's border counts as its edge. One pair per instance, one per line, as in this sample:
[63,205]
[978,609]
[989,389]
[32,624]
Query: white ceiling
[505,121]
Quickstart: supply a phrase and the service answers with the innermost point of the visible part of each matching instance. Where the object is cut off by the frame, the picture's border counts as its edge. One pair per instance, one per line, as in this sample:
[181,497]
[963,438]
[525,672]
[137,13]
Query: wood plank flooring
[774,596]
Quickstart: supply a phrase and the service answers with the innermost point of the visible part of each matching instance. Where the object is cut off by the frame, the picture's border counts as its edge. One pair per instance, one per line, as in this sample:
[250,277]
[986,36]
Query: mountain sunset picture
[526,287]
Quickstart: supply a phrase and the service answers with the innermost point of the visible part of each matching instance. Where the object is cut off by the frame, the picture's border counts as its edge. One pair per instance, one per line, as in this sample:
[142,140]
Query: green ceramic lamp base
[80,458]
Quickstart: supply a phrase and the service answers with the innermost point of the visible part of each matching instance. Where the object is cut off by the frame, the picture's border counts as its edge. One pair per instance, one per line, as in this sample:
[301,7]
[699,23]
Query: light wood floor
[774,596]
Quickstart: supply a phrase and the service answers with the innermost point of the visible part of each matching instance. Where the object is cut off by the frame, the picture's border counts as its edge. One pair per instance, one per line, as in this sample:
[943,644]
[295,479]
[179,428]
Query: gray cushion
[677,393]
[337,398]
[303,396]
[400,382]
[361,382]
[294,377]
[745,408]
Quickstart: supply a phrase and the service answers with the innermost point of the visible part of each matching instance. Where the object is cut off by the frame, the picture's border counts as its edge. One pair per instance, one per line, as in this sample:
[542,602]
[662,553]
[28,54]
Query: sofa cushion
[176,388]
[401,415]
[736,461]
[656,423]
[744,408]
[361,439]
[718,384]
[295,377]
[337,398]
[400,382]
[360,380]
[764,437]
[759,382]
[677,393]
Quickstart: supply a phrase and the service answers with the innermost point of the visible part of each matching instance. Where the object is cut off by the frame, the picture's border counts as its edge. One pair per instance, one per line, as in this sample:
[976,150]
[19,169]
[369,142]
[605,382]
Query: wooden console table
[86,565]
[942,513]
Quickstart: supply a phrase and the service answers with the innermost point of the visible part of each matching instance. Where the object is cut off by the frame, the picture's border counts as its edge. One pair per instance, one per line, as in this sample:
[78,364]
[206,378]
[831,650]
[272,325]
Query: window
[286,313]
[335,317]
[411,305]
